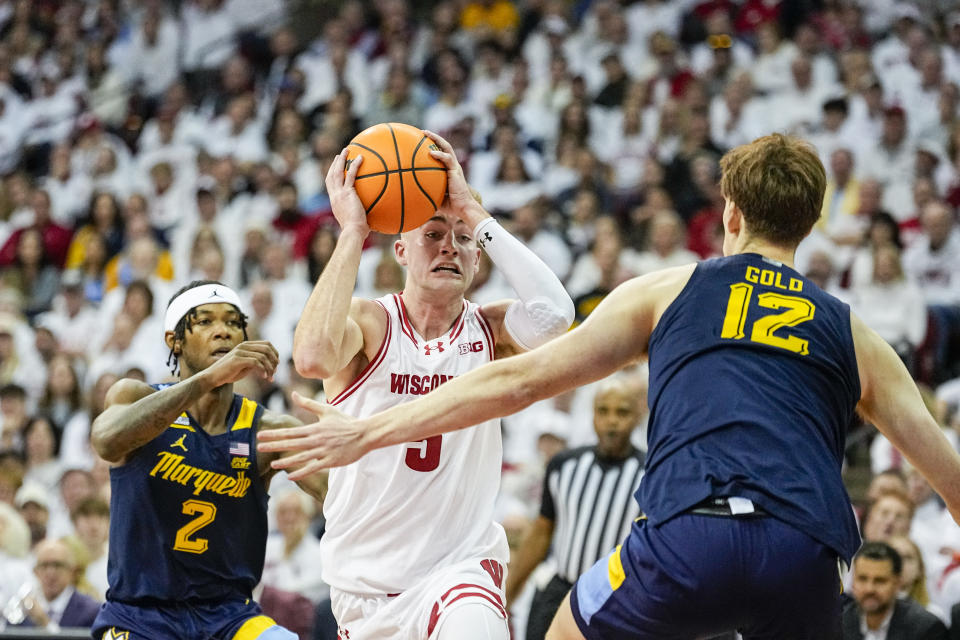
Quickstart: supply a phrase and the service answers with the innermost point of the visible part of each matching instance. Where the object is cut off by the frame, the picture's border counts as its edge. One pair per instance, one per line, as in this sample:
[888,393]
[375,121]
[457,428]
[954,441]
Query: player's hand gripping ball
[399,183]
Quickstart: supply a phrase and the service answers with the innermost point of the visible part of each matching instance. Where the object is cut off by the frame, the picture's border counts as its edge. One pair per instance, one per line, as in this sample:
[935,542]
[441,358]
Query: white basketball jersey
[400,512]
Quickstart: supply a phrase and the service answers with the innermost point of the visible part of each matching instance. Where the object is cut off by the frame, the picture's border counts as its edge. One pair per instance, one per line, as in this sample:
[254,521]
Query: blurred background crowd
[148,143]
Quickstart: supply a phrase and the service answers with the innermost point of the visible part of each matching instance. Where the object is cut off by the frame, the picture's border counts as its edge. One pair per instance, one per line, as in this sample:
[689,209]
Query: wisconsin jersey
[774,354]
[399,512]
[196,509]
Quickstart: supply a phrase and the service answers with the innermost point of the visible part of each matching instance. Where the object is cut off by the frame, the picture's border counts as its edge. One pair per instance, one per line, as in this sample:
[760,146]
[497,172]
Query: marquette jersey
[399,512]
[189,514]
[753,383]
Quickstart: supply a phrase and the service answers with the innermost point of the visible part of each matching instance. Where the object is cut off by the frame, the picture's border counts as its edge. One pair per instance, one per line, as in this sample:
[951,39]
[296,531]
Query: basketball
[399,183]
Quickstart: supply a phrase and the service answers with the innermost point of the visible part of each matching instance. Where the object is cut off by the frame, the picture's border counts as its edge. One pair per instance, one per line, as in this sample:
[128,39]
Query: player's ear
[172,342]
[732,218]
[400,250]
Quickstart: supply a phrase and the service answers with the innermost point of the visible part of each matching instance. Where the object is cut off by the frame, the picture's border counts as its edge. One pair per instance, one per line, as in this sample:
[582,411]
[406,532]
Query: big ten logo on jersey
[470,347]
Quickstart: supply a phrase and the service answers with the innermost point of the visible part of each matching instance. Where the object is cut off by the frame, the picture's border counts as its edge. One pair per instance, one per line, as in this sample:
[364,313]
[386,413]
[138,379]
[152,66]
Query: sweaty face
[217,329]
[440,254]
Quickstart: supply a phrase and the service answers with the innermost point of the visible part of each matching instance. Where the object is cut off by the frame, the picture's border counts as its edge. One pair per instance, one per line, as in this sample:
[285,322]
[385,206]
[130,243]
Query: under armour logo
[427,348]
[485,239]
[179,443]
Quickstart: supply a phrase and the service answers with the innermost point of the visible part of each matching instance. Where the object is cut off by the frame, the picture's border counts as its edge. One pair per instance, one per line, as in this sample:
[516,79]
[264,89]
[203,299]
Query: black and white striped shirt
[590,501]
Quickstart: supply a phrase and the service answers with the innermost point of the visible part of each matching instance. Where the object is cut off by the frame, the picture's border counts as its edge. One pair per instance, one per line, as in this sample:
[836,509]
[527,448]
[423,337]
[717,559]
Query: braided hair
[185,323]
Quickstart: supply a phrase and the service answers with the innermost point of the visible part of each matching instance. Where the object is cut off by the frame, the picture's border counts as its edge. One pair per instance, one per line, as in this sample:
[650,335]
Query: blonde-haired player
[411,550]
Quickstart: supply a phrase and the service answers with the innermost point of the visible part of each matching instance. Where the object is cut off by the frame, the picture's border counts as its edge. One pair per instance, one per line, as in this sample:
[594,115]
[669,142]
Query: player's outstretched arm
[136,413]
[891,401]
[327,336]
[615,334]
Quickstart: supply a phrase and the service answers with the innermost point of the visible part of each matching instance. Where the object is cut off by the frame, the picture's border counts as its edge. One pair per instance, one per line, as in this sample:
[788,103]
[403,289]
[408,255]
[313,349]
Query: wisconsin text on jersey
[412,384]
[171,468]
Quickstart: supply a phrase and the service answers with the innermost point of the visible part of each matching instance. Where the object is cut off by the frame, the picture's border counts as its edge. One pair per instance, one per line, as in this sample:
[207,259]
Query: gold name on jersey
[239,463]
[171,468]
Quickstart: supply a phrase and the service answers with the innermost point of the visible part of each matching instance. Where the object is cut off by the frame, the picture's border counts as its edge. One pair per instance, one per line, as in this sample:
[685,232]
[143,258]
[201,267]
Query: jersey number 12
[764,329]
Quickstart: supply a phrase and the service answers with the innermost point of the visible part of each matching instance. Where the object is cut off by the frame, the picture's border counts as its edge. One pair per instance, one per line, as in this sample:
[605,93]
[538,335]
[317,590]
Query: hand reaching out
[334,440]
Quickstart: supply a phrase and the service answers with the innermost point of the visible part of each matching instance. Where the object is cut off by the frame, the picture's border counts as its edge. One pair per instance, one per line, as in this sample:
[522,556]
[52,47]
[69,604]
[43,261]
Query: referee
[587,506]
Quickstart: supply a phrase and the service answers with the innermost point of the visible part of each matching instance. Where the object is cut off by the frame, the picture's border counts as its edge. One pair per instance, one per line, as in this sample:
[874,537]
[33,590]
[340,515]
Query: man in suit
[60,604]
[876,613]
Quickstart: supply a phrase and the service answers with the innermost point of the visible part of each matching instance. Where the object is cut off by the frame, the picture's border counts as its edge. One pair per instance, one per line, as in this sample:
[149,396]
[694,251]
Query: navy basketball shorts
[221,620]
[699,575]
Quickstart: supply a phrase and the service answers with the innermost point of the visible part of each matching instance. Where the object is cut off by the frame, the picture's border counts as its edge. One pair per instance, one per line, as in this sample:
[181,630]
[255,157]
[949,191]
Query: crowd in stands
[145,144]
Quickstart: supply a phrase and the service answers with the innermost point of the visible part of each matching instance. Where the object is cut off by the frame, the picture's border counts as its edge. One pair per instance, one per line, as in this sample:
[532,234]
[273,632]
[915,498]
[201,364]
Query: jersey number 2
[797,310]
[424,455]
[205,512]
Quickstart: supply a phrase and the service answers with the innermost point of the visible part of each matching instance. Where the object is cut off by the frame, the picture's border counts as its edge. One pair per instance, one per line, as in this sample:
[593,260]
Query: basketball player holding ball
[411,550]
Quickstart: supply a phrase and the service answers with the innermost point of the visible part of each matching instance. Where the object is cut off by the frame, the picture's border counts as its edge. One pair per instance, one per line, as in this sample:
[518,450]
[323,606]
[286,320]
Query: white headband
[191,298]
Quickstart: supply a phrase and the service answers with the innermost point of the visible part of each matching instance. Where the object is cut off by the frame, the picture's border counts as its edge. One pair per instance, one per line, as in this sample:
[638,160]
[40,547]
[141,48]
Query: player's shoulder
[128,391]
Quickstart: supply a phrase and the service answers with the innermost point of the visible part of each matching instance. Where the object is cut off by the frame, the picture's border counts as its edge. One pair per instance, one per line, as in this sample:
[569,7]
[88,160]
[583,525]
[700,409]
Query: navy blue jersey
[189,514]
[753,384]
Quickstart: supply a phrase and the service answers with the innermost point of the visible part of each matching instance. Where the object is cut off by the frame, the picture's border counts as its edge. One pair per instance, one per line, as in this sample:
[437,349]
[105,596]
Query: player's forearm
[319,336]
[464,401]
[922,442]
[122,428]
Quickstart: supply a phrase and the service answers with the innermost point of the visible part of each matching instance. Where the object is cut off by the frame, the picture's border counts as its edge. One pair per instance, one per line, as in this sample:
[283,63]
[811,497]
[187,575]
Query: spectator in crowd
[33,503]
[14,549]
[876,611]
[291,571]
[666,245]
[891,304]
[887,516]
[577,530]
[932,262]
[58,604]
[41,446]
[913,576]
[91,521]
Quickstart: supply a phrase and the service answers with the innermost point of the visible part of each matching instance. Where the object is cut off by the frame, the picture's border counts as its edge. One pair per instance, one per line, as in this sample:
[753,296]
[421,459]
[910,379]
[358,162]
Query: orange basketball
[399,183]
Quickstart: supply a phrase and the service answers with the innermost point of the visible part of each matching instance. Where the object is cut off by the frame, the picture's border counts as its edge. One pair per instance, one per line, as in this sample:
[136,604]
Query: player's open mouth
[221,351]
[449,268]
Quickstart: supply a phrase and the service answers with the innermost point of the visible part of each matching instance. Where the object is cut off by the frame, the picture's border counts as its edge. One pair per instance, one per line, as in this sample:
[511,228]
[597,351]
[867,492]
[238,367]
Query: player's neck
[432,313]
[766,249]
[210,410]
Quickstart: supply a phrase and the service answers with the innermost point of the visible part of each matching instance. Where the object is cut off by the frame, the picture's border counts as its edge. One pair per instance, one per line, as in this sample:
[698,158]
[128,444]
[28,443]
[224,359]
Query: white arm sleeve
[544,310]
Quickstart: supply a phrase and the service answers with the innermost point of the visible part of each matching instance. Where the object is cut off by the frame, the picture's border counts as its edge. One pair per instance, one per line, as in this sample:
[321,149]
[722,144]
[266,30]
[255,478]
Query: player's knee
[473,622]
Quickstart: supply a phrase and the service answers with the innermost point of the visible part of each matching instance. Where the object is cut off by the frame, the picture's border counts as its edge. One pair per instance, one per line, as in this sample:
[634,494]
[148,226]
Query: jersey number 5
[205,512]
[764,329]
[424,455]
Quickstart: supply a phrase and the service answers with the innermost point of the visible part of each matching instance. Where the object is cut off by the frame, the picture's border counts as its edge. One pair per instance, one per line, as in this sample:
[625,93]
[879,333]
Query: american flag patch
[239,448]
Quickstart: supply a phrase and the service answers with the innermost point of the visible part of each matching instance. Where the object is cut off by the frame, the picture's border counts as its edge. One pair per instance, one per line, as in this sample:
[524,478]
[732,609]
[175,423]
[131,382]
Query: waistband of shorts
[727,507]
